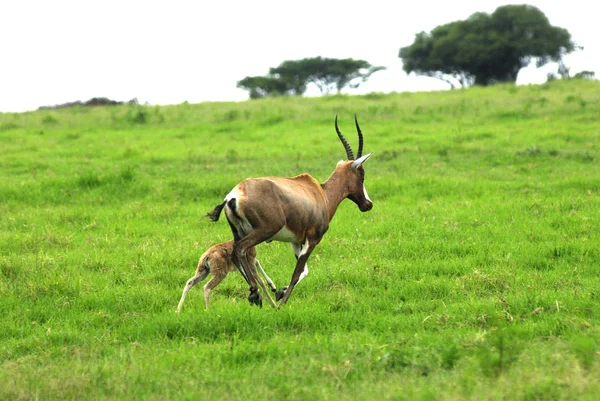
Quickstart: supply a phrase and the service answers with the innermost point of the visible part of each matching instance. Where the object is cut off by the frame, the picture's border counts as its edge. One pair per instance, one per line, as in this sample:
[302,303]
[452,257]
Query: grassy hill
[475,276]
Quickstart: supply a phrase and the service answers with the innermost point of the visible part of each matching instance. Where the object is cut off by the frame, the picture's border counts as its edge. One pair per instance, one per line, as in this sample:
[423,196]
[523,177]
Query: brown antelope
[296,210]
[217,262]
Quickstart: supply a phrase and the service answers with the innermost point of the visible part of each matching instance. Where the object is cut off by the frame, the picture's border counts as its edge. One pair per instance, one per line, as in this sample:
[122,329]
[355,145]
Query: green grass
[475,276]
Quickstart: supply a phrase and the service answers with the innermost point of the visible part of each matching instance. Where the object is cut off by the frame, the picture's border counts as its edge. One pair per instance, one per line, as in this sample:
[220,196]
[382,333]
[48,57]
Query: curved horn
[360,138]
[346,145]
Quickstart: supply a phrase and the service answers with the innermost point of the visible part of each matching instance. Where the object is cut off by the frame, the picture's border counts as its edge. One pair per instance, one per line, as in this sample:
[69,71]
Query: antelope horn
[360,138]
[358,162]
[346,145]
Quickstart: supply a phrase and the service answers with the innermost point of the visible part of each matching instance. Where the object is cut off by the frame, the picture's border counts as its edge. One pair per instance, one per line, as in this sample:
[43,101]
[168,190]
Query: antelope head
[354,172]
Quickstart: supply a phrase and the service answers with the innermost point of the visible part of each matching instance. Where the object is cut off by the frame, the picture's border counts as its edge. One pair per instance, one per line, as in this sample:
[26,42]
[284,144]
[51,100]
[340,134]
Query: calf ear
[357,163]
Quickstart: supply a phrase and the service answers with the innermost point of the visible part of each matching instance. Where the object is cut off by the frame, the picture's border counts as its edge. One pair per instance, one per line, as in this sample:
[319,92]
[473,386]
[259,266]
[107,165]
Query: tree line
[93,102]
[484,49]
[293,76]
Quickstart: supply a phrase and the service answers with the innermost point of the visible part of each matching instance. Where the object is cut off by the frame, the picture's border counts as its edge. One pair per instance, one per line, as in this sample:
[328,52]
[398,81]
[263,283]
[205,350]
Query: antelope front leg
[300,266]
[297,248]
[272,286]
[279,293]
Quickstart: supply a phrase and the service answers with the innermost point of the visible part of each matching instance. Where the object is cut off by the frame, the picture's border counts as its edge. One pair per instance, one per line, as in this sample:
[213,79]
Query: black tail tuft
[216,212]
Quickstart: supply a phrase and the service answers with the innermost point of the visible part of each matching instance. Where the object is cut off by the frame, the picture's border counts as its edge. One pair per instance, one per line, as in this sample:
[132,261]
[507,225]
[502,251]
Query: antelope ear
[357,163]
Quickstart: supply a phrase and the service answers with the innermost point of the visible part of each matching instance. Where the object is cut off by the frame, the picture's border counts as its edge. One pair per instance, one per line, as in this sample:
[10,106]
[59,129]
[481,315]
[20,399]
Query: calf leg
[199,276]
[262,283]
[214,281]
[262,286]
[269,281]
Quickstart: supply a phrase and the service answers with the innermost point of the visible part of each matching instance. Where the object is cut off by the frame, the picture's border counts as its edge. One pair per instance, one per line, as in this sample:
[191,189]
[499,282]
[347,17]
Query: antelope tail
[216,212]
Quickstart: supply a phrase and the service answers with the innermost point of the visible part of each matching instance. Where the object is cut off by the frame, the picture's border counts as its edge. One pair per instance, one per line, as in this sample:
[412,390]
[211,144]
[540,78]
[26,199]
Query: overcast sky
[166,52]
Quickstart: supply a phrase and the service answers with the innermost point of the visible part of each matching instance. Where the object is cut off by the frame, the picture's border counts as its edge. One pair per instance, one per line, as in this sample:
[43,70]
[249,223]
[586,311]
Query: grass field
[476,276]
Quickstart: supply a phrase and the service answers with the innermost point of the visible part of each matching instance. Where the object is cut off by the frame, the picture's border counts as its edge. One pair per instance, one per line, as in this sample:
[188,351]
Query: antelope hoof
[255,299]
[279,294]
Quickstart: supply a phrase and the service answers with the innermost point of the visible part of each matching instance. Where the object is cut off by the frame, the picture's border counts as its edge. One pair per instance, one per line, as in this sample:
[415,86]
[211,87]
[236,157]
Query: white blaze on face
[366,195]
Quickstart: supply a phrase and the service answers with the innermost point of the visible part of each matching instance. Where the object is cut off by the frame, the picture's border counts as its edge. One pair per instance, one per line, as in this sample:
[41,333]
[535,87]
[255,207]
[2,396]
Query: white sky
[165,52]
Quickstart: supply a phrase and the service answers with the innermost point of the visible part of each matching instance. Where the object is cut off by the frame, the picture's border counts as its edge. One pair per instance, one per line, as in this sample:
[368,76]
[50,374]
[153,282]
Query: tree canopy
[487,48]
[264,86]
[293,76]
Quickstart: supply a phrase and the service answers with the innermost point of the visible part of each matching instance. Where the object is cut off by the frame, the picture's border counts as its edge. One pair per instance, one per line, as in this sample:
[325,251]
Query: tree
[326,73]
[487,48]
[293,76]
[591,75]
[264,86]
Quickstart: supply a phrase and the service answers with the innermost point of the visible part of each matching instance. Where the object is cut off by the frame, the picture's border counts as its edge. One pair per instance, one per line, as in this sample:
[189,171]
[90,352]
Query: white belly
[284,235]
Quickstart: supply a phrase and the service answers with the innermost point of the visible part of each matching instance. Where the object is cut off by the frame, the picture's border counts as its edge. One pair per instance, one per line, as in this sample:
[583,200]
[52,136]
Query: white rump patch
[232,194]
[242,225]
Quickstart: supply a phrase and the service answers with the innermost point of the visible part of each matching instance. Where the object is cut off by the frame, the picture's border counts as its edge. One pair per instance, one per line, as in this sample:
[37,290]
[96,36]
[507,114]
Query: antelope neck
[335,192]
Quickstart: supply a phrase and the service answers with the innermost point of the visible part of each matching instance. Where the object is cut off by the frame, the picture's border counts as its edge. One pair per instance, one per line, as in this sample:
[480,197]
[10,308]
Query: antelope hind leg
[188,286]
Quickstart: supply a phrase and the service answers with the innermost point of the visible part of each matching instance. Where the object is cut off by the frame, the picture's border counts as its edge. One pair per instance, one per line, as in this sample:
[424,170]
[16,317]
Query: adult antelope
[296,210]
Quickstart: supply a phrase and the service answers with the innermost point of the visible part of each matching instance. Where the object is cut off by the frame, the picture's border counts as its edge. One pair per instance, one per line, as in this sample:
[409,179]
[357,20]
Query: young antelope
[217,262]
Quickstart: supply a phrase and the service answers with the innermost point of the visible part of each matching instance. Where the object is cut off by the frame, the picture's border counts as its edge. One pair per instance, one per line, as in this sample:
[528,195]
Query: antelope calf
[296,210]
[217,261]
